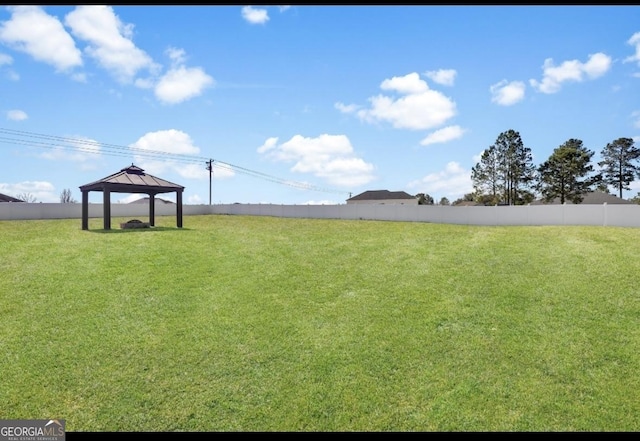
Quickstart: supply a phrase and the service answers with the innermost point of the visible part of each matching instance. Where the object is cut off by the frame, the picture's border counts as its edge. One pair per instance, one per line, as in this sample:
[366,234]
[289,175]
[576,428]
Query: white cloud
[269,144]
[163,141]
[194,171]
[222,170]
[195,200]
[80,150]
[42,36]
[446,77]
[158,167]
[634,41]
[17,115]
[5,59]
[330,157]
[452,182]
[177,55]
[597,65]
[182,83]
[443,135]
[420,107]
[572,70]
[109,41]
[255,15]
[170,142]
[478,157]
[507,94]
[167,141]
[408,85]
[344,108]
[42,191]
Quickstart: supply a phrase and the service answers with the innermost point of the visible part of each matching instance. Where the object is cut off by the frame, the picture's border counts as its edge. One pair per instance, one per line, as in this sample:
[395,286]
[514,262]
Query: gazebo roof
[132,179]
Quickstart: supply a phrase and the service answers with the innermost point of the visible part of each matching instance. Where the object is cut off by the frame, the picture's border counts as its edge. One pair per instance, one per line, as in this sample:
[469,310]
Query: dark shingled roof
[132,179]
[595,197]
[377,195]
[7,198]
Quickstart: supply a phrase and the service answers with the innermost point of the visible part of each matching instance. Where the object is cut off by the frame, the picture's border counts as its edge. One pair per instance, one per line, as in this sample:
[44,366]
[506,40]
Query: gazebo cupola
[131,179]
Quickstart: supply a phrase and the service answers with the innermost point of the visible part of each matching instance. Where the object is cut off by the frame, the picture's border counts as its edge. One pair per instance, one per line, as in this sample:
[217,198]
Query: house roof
[594,197]
[145,200]
[132,179]
[377,195]
[7,198]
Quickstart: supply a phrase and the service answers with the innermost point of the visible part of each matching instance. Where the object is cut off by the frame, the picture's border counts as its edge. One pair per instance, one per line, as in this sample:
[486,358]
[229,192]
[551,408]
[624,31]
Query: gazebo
[131,179]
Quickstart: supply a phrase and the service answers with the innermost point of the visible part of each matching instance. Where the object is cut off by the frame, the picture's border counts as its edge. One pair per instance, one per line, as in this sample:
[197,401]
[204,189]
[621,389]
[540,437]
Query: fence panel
[568,214]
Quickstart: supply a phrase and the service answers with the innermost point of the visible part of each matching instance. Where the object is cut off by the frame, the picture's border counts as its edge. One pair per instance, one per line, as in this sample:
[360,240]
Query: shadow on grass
[137,230]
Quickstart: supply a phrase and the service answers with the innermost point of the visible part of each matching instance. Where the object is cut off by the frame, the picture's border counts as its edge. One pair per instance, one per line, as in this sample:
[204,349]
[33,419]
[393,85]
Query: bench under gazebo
[131,179]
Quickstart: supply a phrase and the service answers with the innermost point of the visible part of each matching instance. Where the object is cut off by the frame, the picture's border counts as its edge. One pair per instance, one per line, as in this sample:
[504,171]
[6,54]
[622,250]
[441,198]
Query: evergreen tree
[424,199]
[618,164]
[485,176]
[516,168]
[567,173]
[505,171]
[602,186]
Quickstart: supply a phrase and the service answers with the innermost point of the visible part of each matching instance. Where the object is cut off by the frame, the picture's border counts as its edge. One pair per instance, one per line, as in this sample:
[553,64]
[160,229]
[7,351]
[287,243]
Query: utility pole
[210,168]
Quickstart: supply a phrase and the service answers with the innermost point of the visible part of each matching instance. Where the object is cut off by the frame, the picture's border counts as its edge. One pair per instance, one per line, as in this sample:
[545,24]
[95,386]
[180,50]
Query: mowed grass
[242,323]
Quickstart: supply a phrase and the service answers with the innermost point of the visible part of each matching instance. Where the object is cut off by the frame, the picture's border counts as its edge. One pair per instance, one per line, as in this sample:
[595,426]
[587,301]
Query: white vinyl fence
[24,210]
[621,215]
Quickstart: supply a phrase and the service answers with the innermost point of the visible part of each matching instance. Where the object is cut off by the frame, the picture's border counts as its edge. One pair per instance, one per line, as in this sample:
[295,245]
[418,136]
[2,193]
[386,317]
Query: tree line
[506,175]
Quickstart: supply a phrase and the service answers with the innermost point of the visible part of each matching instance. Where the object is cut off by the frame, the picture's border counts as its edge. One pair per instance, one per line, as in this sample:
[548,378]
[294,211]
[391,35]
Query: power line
[78,145]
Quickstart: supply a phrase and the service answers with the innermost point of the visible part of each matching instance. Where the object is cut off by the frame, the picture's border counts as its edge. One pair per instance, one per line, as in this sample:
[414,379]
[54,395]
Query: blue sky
[304,104]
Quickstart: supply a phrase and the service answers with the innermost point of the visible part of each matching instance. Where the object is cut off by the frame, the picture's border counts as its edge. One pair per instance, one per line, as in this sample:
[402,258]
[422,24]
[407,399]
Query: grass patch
[242,323]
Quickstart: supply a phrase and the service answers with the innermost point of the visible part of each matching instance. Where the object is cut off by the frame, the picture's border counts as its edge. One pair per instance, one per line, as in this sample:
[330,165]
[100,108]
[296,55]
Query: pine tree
[567,173]
[618,164]
[505,170]
[424,199]
[516,168]
[485,176]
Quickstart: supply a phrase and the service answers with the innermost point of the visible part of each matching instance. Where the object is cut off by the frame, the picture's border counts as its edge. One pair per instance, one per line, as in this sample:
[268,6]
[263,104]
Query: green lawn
[242,323]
